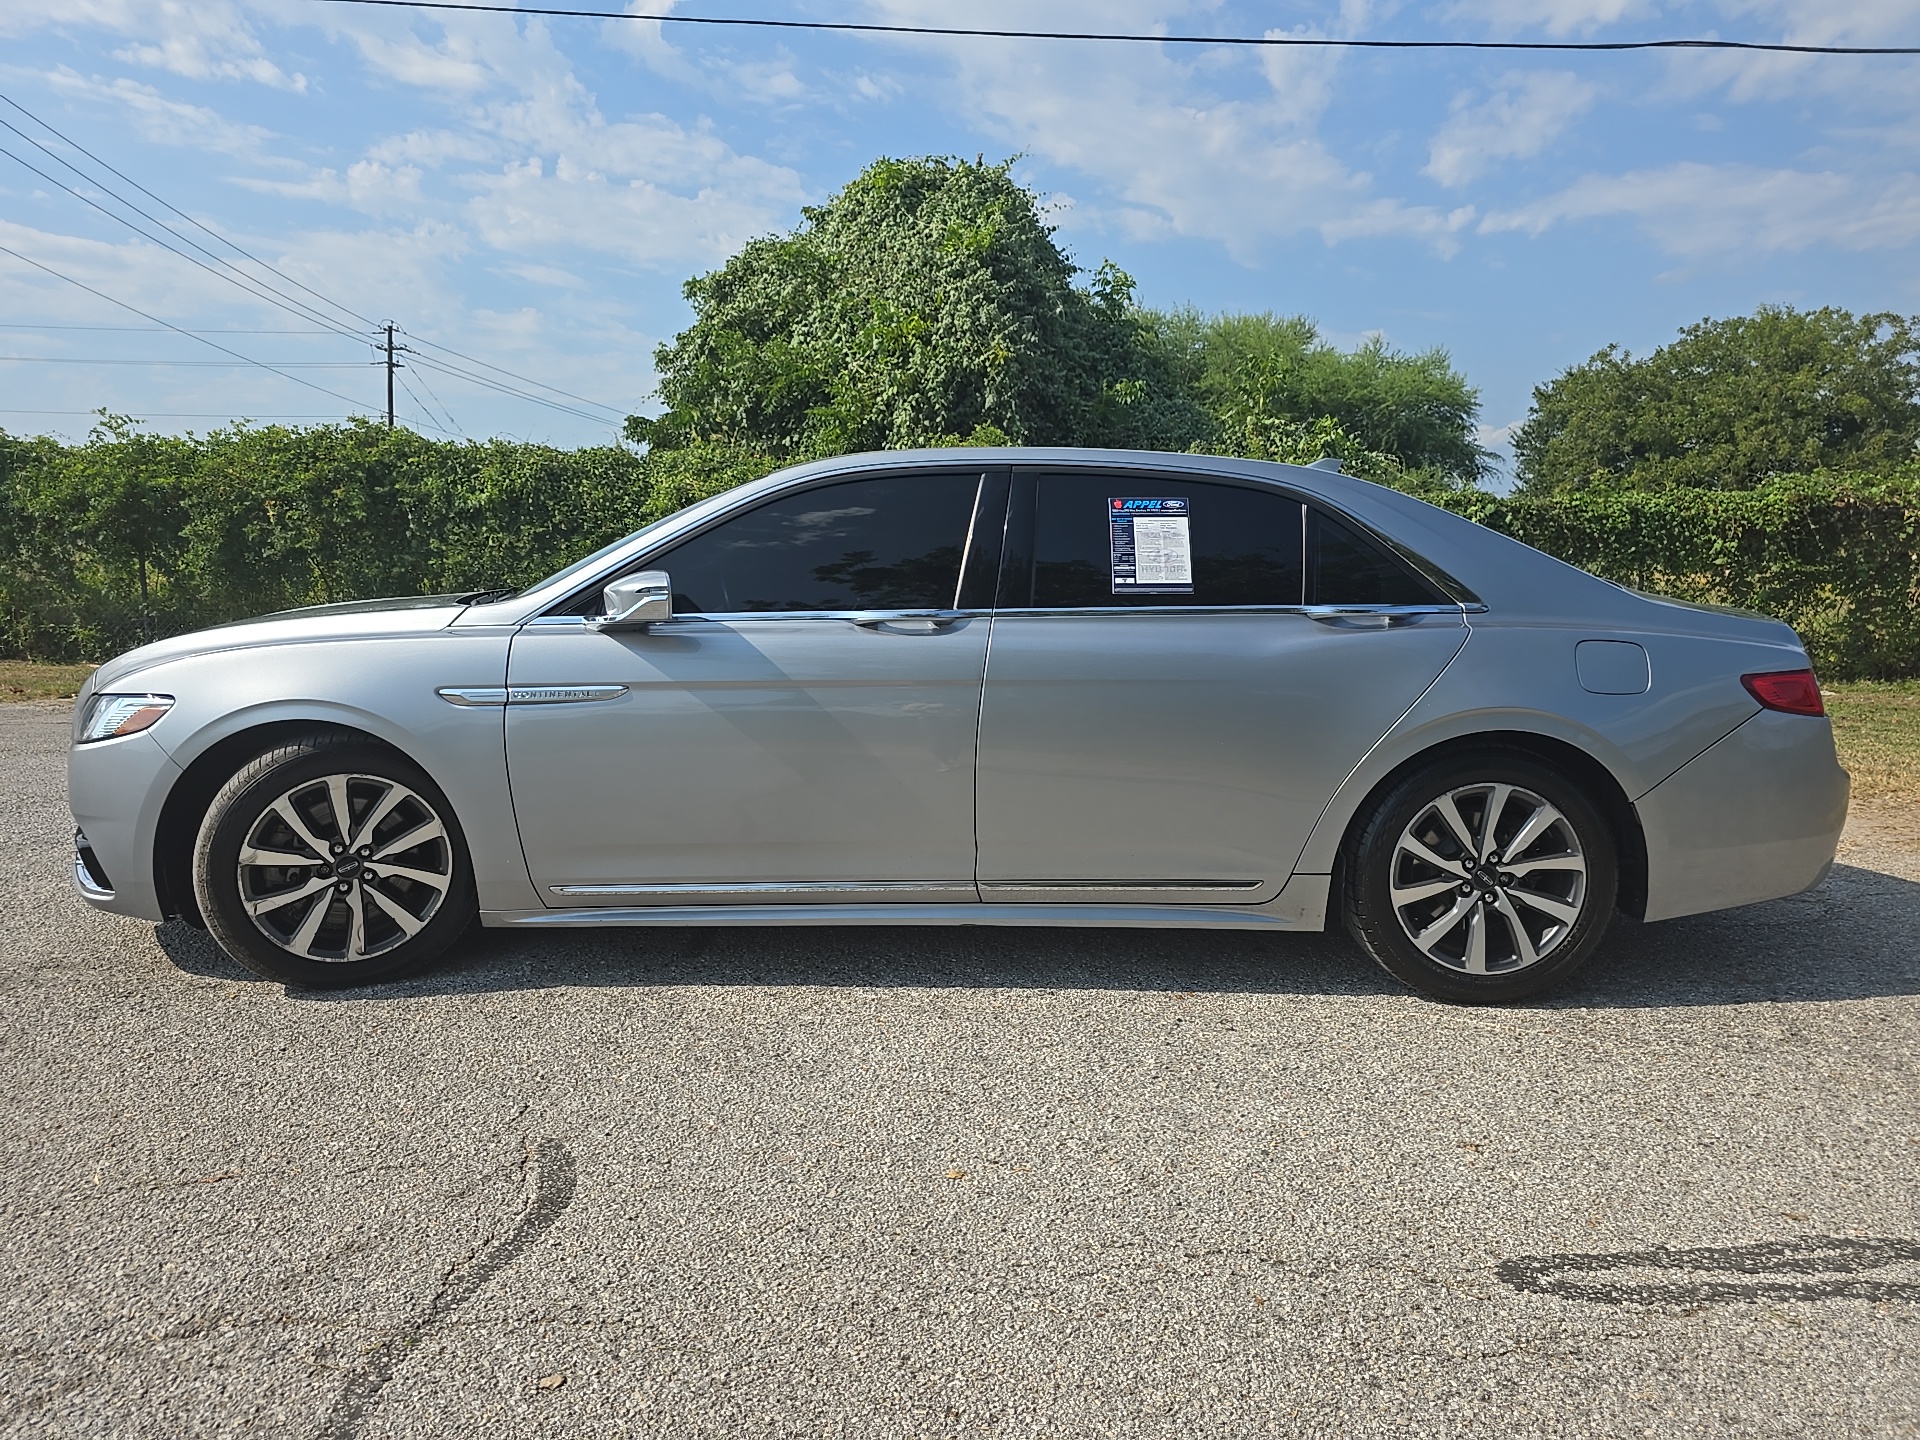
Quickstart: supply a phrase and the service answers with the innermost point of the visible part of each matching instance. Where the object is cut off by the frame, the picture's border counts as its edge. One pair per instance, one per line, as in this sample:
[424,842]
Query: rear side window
[1345,567]
[894,542]
[1114,540]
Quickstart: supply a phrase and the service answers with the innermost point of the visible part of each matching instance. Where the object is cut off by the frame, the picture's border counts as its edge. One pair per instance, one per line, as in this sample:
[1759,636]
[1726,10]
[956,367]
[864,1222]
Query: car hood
[351,620]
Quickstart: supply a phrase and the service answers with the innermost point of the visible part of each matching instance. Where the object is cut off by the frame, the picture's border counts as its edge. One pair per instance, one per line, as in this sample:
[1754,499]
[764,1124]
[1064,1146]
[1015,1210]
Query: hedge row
[1837,556]
[133,536]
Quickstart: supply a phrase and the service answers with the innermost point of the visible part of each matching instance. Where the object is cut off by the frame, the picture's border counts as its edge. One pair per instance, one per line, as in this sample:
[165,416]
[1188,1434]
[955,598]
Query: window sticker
[1152,553]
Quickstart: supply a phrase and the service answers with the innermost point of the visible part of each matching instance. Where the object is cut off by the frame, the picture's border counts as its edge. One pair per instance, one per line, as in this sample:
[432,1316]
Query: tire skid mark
[553,1186]
[1818,1267]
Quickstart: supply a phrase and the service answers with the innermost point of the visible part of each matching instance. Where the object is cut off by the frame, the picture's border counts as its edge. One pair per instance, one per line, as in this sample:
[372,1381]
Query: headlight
[110,715]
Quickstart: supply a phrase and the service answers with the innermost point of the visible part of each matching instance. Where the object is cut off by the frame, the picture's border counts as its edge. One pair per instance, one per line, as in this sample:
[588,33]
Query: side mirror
[634,601]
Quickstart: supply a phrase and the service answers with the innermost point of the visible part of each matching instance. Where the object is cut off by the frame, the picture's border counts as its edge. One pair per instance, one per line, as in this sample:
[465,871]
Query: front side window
[894,542]
[1103,540]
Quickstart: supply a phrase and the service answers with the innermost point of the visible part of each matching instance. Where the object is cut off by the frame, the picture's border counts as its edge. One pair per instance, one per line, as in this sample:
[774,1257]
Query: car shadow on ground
[1853,938]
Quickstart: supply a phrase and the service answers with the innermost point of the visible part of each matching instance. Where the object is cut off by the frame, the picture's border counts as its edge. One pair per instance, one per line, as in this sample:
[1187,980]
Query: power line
[185,414]
[442,367]
[253,286]
[244,282]
[434,424]
[48,269]
[249,283]
[237,249]
[1265,41]
[438,401]
[154,329]
[524,379]
[198,364]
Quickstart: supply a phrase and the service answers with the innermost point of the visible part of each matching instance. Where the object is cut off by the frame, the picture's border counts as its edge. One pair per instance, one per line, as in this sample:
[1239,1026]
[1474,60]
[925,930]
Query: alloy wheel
[1488,879]
[345,867]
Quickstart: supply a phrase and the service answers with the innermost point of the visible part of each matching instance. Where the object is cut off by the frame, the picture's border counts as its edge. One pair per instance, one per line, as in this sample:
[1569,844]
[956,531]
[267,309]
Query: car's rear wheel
[332,861]
[1481,878]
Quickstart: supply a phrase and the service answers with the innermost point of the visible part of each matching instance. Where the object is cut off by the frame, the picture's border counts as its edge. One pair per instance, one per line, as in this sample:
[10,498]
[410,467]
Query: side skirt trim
[1301,906]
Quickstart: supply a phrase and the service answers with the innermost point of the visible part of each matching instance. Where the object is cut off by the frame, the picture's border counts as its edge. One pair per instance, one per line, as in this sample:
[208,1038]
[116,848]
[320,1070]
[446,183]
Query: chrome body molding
[562,694]
[84,882]
[471,695]
[914,891]
[529,694]
[1129,892]
[1301,905]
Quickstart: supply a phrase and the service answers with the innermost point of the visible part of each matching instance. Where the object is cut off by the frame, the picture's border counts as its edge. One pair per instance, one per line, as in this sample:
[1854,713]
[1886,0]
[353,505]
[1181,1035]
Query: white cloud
[1179,142]
[201,40]
[1518,120]
[162,121]
[530,208]
[367,185]
[555,174]
[1555,17]
[1705,211]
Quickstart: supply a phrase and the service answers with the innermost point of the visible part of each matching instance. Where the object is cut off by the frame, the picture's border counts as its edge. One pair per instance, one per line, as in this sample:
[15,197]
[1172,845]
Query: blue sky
[533,192]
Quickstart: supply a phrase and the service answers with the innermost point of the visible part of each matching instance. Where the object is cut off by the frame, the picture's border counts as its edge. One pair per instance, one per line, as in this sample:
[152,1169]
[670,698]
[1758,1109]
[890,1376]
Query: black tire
[1570,865]
[316,925]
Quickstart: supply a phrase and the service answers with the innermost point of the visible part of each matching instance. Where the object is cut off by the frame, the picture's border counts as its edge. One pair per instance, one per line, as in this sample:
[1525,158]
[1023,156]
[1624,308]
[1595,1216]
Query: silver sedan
[1008,687]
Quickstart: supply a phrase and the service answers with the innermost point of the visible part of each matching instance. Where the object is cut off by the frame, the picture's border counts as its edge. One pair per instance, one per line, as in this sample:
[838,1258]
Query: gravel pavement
[903,1182]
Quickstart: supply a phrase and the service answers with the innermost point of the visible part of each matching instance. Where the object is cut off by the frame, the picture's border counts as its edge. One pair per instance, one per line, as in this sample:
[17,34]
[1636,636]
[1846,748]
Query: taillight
[1794,691]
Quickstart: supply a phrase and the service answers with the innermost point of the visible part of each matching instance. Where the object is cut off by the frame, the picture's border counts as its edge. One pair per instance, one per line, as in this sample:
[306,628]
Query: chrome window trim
[650,540]
[869,617]
[531,604]
[1310,611]
[732,617]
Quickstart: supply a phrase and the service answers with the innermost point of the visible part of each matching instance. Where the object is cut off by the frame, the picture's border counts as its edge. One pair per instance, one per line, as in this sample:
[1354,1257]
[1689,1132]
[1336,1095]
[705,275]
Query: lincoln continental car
[989,687]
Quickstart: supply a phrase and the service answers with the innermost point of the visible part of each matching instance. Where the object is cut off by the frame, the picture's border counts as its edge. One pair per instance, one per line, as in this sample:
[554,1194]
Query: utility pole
[392,364]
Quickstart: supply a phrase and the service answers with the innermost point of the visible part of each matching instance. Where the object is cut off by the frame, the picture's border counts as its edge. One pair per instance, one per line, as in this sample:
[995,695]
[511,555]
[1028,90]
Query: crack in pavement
[554,1179]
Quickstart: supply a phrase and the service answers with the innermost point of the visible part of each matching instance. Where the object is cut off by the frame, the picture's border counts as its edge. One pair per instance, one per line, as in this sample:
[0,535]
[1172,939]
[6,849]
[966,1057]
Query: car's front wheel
[332,861]
[1481,878]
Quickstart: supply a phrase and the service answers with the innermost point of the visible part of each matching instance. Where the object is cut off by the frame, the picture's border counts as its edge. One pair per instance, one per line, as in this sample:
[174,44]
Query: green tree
[1729,405]
[1415,410]
[118,501]
[925,303]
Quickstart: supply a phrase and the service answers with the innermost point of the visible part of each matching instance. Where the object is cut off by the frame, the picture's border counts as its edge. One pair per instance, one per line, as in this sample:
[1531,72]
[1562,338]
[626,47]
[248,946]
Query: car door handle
[921,622]
[1377,617]
[1354,617]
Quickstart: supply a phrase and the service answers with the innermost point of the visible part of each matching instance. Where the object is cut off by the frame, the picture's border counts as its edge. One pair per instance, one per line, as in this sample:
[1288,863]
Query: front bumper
[116,789]
[1755,817]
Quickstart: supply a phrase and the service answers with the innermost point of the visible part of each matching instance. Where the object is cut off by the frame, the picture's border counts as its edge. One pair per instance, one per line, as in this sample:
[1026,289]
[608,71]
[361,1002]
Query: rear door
[1169,705]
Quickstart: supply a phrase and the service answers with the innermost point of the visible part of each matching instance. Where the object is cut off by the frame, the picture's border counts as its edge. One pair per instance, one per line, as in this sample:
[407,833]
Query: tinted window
[1243,544]
[891,543]
[1347,568]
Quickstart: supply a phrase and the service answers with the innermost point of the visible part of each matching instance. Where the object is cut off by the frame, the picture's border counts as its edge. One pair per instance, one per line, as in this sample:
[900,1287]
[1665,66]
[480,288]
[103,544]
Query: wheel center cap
[347,867]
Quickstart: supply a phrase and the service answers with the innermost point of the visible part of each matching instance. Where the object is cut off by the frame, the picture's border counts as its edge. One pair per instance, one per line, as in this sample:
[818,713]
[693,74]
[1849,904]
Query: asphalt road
[956,1183]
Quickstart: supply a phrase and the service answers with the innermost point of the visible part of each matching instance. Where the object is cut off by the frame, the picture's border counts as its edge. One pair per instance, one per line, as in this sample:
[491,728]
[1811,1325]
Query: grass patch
[31,680]
[1876,727]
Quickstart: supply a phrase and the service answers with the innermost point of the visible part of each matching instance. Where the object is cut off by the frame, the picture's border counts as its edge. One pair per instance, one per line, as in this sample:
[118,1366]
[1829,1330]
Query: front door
[1172,698]
[802,729]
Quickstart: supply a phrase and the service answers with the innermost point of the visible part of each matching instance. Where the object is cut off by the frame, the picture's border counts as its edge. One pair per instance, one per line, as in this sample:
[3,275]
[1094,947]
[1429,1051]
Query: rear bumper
[1754,817]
